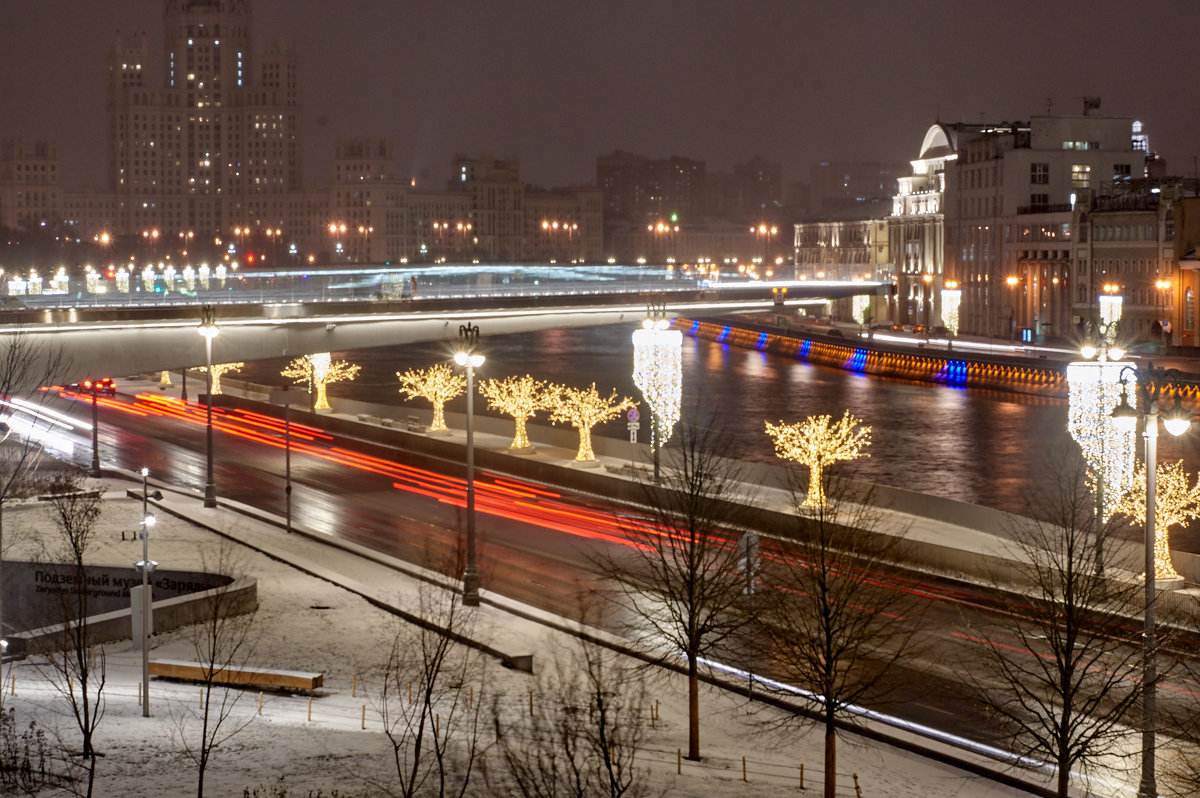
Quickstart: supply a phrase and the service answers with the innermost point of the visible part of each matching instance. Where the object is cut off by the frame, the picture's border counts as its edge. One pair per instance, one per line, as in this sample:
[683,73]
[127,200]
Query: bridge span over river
[292,314]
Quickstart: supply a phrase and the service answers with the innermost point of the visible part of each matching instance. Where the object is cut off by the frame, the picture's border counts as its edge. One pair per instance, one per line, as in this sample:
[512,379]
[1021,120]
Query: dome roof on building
[939,141]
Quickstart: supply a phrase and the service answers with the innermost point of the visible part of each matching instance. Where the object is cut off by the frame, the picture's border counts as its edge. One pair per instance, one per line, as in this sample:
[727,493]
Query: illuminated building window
[1081,175]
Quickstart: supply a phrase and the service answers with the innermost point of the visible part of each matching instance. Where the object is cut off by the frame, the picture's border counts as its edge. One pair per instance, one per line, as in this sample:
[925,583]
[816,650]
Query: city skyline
[704,80]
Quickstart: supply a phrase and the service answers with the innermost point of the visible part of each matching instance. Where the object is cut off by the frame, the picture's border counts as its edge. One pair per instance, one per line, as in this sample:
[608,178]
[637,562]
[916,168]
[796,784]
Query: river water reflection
[978,446]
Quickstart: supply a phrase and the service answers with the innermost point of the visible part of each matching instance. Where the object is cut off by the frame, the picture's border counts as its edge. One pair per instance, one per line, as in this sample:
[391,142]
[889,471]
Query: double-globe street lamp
[1150,383]
[209,330]
[470,358]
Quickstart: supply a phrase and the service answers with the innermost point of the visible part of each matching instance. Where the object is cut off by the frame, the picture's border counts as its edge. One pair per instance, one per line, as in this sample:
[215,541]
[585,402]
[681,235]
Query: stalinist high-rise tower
[217,145]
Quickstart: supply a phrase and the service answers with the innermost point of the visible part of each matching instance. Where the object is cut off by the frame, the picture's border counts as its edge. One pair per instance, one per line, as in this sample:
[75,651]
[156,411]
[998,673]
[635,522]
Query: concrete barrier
[172,613]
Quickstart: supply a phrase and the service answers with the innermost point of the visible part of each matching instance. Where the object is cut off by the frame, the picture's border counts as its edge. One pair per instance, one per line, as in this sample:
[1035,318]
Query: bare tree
[25,367]
[429,704]
[1061,673]
[583,733]
[680,577]
[75,665]
[224,639]
[831,625]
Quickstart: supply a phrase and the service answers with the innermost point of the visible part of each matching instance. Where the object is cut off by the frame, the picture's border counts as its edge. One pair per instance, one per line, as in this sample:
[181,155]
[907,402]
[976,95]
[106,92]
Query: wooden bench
[413,423]
[237,676]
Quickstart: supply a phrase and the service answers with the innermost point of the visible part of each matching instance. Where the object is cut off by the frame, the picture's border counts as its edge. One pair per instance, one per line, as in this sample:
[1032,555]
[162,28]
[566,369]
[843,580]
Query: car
[104,385]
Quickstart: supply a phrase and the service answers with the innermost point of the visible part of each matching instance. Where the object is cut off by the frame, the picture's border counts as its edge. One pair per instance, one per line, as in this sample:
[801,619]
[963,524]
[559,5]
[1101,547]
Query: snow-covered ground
[306,623]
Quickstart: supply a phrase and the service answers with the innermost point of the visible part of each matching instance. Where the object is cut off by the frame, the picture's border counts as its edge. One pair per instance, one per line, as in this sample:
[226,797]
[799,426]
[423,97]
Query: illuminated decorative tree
[519,397]
[1108,450]
[317,371]
[658,374]
[818,443]
[583,409]
[164,378]
[1174,503]
[437,384]
[218,370]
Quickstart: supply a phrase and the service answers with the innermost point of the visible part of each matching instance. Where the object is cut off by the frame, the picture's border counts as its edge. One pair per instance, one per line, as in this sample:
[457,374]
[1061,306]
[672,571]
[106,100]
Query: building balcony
[1061,207]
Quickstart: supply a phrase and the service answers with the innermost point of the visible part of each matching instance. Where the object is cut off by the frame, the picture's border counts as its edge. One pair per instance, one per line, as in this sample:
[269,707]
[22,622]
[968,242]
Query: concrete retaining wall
[169,614]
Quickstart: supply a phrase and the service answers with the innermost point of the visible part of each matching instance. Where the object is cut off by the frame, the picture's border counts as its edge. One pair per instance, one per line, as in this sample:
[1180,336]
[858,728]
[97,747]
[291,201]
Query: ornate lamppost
[1149,383]
[470,358]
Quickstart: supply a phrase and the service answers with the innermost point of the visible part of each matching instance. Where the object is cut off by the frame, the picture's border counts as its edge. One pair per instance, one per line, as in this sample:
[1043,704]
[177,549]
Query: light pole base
[210,495]
[470,597]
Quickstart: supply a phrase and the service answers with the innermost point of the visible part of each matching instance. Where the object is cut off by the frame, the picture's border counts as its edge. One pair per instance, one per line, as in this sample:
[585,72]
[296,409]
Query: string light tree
[1178,503]
[859,304]
[818,443]
[658,374]
[951,299]
[218,370]
[583,409]
[438,385]
[520,398]
[317,371]
[1094,386]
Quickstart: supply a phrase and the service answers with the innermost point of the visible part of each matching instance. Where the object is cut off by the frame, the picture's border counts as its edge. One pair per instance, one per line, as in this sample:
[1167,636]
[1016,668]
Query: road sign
[633,415]
[633,430]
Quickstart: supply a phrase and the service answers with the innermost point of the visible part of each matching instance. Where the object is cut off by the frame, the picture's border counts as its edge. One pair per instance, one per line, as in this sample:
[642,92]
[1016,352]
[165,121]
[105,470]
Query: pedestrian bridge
[153,325]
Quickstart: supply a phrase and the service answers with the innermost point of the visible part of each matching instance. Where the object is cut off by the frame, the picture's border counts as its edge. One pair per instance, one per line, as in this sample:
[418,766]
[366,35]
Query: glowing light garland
[951,299]
[583,409]
[317,371]
[658,374]
[218,369]
[818,443]
[520,398]
[1174,503]
[858,308]
[437,384]
[1094,390]
[1110,314]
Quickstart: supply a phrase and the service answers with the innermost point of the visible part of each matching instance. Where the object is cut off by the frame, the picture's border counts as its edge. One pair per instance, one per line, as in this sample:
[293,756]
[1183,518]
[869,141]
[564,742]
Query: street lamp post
[927,294]
[95,469]
[468,357]
[209,329]
[147,605]
[1162,286]
[1150,382]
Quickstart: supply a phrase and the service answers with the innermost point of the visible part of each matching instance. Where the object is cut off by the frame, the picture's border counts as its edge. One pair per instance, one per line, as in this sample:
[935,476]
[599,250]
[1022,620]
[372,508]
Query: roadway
[538,544]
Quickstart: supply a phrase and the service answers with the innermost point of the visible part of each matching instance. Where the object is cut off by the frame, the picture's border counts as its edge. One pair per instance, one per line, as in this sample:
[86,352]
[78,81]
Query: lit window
[1081,175]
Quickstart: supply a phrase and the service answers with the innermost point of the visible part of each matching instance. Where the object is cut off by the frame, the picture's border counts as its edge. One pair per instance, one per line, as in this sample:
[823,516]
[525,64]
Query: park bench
[414,424]
[237,676]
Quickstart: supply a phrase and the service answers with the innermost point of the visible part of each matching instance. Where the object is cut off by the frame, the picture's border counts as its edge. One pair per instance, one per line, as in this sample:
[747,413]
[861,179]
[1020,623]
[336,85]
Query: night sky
[796,81]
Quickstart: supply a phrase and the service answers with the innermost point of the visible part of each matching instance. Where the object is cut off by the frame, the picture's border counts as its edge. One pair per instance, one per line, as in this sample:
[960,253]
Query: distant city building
[211,161]
[638,189]
[836,185]
[916,228]
[31,192]
[216,146]
[1010,194]
[1029,220]
[1126,238]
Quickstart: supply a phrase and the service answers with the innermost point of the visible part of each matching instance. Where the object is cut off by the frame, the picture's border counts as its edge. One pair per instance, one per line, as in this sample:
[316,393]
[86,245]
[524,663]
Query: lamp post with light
[1162,287]
[1012,281]
[468,357]
[1149,383]
[146,566]
[927,295]
[209,330]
